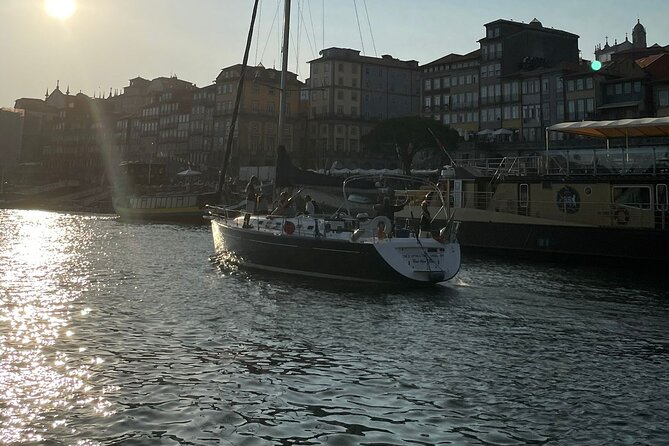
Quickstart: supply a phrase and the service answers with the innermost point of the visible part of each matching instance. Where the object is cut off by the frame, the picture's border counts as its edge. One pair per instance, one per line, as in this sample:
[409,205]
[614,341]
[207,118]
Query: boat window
[661,198]
[523,196]
[632,196]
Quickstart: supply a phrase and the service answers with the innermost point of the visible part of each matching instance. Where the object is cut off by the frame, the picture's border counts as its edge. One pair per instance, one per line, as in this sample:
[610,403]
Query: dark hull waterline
[623,243]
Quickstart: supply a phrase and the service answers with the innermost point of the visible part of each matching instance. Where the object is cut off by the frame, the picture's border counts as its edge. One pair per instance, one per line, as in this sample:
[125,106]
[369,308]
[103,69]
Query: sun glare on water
[60,9]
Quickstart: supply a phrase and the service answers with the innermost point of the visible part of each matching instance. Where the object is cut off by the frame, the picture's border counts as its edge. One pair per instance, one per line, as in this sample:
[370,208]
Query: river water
[125,334]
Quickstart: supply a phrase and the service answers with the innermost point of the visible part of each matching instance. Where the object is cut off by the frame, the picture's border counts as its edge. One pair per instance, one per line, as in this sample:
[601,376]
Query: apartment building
[511,83]
[350,93]
[450,91]
[255,138]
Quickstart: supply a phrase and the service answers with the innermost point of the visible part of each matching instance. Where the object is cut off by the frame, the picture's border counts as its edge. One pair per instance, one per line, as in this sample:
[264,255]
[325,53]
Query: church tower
[639,35]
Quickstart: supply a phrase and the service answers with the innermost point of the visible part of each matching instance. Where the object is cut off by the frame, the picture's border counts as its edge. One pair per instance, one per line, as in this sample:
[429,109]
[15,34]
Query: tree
[407,136]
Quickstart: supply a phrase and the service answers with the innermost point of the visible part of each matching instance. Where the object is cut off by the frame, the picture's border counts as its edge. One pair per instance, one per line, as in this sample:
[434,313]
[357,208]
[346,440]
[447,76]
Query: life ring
[381,225]
[289,227]
[622,216]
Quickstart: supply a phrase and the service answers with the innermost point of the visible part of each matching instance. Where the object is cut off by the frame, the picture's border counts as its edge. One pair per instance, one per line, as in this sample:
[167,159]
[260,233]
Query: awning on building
[615,129]
[619,105]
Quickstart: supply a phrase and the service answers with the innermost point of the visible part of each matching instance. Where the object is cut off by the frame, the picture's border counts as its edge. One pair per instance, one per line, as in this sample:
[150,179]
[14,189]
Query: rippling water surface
[125,334]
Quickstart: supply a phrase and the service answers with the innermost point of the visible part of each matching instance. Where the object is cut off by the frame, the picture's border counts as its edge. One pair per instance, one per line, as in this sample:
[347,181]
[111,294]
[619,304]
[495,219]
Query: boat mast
[235,112]
[284,75]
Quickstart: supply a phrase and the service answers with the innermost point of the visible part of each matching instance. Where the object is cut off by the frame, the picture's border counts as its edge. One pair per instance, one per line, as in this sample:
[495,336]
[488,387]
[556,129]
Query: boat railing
[642,161]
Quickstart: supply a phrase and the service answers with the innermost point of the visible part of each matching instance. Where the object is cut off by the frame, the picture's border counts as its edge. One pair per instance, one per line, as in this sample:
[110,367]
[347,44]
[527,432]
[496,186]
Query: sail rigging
[238,98]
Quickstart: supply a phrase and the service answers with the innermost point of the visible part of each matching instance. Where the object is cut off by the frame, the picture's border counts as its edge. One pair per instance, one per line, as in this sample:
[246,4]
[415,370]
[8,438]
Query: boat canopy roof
[616,129]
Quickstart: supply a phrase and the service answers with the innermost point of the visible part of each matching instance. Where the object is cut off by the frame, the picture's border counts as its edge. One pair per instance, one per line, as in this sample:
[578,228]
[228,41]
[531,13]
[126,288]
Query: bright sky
[106,42]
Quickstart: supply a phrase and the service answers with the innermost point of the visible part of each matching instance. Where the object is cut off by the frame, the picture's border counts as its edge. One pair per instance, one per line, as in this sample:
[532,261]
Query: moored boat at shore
[608,202]
[145,194]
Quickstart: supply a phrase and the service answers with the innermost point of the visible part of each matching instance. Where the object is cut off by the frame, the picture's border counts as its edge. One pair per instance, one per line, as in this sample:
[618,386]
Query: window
[545,85]
[524,196]
[661,197]
[447,101]
[589,106]
[663,98]
[588,83]
[632,196]
[428,84]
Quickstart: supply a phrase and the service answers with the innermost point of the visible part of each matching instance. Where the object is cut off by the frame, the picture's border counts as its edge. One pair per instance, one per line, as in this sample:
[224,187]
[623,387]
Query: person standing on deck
[387,209]
[251,197]
[309,208]
[425,223]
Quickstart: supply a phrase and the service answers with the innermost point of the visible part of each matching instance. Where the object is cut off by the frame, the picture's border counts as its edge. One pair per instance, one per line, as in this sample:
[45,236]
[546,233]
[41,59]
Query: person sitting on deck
[282,204]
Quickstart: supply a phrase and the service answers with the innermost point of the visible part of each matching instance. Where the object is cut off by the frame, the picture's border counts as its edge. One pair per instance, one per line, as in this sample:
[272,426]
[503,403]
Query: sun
[60,9]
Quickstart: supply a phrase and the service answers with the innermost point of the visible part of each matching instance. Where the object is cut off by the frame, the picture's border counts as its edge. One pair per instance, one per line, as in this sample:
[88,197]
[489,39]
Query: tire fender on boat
[289,227]
[381,225]
[622,216]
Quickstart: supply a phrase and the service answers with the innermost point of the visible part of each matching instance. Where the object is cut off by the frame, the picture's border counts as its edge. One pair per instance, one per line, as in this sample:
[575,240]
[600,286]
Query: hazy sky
[107,42]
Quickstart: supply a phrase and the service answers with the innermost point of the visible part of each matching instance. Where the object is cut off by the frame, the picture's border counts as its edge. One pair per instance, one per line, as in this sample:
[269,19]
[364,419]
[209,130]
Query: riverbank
[73,198]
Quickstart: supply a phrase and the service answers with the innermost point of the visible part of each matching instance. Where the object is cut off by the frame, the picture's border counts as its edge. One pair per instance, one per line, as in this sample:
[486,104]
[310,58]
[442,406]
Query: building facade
[511,87]
[450,92]
[349,94]
[255,136]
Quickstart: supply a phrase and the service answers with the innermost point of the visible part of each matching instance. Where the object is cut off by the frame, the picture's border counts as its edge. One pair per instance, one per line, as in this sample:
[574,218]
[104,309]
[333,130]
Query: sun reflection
[43,372]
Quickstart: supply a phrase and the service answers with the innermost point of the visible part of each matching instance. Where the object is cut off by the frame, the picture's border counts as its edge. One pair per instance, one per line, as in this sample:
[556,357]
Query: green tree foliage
[404,137]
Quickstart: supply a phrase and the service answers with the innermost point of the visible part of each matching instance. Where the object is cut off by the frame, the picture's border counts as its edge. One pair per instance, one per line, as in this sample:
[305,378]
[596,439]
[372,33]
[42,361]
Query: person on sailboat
[386,209]
[309,206]
[251,197]
[425,224]
[282,204]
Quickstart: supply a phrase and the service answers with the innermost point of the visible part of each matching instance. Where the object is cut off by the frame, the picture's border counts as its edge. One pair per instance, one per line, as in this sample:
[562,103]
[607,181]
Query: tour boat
[603,202]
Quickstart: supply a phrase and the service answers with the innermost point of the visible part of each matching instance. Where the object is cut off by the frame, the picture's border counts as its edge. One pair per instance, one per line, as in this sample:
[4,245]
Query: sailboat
[343,245]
